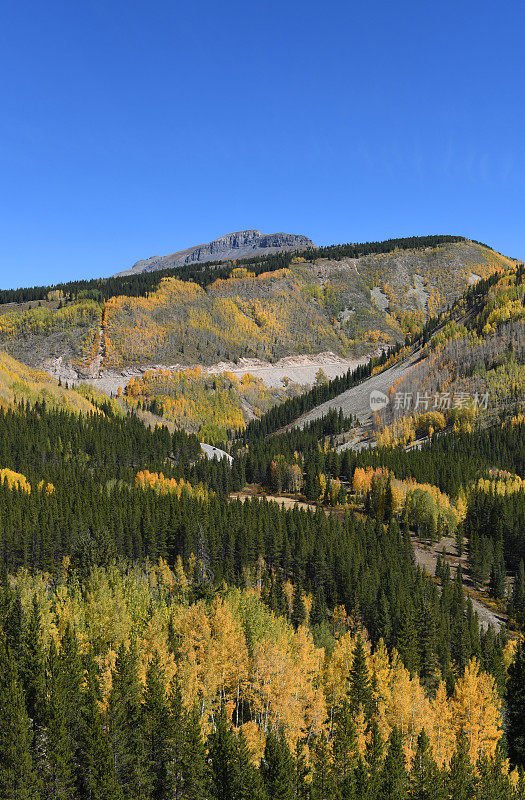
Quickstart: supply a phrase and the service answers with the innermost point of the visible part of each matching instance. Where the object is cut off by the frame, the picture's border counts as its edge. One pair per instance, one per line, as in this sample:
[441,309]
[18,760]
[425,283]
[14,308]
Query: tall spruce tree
[323,778]
[299,613]
[157,730]
[374,760]
[277,767]
[60,748]
[32,668]
[126,729]
[195,778]
[302,772]
[222,754]
[95,759]
[515,698]
[359,689]
[18,778]
[394,778]
[248,780]
[493,780]
[517,600]
[426,779]
[461,781]
[407,641]
[344,746]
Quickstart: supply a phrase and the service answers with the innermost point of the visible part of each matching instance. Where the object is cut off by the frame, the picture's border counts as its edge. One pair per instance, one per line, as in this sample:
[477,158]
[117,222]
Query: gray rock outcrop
[240,244]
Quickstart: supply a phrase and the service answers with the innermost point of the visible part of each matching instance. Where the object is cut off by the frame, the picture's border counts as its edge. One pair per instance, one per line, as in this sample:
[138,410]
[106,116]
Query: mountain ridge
[238,244]
[346,299]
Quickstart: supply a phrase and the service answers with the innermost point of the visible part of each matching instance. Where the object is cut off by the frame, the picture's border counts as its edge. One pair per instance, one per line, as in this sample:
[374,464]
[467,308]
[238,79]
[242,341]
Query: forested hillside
[281,650]
[173,627]
[348,299]
[204,274]
[472,367]
[209,405]
[19,383]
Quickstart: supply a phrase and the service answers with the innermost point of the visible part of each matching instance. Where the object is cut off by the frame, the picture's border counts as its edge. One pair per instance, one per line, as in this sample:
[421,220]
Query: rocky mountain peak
[239,244]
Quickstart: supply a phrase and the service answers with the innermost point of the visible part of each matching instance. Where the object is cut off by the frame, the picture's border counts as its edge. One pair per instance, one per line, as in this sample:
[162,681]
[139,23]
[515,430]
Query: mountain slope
[240,244]
[348,306]
[477,350]
[347,299]
[21,384]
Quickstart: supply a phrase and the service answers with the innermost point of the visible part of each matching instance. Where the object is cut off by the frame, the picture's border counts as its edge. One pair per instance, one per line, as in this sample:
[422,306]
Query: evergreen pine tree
[426,779]
[363,789]
[14,622]
[515,697]
[517,601]
[18,779]
[248,781]
[498,575]
[383,619]
[344,745]
[302,773]
[520,788]
[319,611]
[277,767]
[389,501]
[178,737]
[299,613]
[323,783]
[407,642]
[195,779]
[359,690]
[394,779]
[493,781]
[224,764]
[32,668]
[460,781]
[429,669]
[374,761]
[97,777]
[157,730]
[60,748]
[126,728]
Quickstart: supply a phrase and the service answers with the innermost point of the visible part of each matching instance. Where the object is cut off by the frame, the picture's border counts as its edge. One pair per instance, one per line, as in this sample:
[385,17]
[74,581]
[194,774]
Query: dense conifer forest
[171,629]
[104,705]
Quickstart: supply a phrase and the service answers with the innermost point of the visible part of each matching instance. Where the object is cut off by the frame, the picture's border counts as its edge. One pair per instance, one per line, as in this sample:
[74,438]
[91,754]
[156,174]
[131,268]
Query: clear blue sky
[129,129]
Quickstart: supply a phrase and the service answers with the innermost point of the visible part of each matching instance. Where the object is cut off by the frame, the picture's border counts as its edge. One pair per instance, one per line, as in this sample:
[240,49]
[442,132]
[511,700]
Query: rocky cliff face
[241,244]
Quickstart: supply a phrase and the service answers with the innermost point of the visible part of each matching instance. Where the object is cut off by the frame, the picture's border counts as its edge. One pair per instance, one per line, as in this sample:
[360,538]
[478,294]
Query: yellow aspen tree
[194,649]
[288,593]
[309,662]
[155,640]
[229,653]
[180,580]
[476,710]
[15,480]
[338,671]
[440,730]
[361,729]
[359,482]
[381,686]
[406,699]
[322,484]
